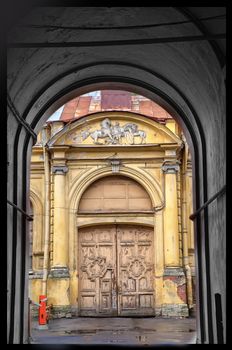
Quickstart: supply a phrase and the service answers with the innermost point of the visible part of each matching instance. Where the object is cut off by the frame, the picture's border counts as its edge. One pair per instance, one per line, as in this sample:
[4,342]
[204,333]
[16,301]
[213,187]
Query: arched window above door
[115,194]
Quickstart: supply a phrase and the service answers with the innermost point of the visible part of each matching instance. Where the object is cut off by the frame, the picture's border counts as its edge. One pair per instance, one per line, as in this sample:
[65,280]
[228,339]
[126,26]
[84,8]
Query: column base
[59,272]
[174,293]
[61,311]
[175,310]
[58,287]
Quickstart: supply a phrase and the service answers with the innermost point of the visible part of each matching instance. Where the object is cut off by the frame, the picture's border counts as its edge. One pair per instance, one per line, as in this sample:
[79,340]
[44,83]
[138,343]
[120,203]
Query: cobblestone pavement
[116,331]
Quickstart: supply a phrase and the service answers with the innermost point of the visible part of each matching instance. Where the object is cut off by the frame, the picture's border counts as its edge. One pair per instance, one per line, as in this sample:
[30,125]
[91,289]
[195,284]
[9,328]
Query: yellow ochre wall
[161,164]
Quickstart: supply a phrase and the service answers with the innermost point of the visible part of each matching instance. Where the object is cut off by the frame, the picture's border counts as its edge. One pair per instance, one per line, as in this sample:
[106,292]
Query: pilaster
[171,236]
[59,267]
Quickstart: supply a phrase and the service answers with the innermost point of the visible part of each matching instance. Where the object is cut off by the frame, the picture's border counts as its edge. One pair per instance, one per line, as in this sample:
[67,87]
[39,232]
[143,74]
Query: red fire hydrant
[42,310]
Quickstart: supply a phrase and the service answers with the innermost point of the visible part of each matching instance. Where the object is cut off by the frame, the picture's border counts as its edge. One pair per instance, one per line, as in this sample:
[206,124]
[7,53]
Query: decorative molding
[170,153]
[59,169]
[35,274]
[159,207]
[148,182]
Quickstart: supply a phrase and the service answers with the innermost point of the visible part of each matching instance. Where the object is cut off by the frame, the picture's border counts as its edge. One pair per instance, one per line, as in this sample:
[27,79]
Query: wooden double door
[116,271]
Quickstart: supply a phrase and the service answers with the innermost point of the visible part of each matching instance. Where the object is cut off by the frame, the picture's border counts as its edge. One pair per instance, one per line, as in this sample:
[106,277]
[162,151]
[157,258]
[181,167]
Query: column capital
[59,169]
[171,167]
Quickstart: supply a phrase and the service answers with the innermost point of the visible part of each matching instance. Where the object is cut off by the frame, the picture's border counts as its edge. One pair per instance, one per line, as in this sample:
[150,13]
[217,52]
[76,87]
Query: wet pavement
[116,331]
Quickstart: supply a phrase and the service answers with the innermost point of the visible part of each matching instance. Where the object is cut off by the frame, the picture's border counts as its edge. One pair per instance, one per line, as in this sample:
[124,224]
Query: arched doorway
[160,91]
[116,261]
[44,113]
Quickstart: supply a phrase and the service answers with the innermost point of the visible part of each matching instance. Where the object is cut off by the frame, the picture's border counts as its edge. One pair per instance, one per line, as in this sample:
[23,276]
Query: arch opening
[115,85]
[186,78]
[78,190]
[115,194]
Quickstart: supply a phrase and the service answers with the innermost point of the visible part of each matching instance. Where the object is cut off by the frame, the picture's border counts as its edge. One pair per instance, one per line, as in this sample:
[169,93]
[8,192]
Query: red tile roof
[113,100]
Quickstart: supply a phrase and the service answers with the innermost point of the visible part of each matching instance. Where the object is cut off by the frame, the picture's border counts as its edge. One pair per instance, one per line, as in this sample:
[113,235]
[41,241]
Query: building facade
[111,195]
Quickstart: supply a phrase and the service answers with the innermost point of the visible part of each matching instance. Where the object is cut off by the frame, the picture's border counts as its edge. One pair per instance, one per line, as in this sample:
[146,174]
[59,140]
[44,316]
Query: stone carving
[97,267]
[114,133]
[136,268]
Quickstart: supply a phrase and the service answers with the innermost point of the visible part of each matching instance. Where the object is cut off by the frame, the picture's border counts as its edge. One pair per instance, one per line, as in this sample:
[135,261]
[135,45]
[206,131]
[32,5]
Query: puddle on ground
[123,330]
[113,331]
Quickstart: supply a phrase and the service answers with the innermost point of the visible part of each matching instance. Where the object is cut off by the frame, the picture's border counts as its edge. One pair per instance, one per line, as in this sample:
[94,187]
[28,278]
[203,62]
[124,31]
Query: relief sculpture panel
[111,133]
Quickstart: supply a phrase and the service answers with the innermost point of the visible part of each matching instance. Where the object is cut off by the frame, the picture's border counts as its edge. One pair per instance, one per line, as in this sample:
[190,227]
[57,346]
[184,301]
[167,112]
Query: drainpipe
[187,268]
[46,213]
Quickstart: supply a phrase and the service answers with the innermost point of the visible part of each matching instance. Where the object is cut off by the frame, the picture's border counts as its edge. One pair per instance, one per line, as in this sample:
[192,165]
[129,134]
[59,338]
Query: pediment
[114,129]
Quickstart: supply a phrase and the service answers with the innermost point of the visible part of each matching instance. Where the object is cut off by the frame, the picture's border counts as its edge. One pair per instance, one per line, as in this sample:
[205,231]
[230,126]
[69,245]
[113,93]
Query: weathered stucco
[147,167]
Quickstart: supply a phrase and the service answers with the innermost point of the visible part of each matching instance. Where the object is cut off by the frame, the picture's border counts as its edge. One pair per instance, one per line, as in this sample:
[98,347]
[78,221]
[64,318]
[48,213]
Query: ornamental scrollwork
[96,267]
[136,268]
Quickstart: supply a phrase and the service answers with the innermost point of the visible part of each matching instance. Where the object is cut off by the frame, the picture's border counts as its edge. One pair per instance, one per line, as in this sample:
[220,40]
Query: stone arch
[36,201]
[149,184]
[115,193]
[174,107]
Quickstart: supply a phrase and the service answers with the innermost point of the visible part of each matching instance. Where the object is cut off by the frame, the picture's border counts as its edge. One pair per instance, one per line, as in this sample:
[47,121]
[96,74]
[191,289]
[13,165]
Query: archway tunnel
[189,86]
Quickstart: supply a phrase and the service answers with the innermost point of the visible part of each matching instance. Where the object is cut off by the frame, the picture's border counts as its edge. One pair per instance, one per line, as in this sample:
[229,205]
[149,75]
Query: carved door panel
[97,266]
[135,270]
[116,274]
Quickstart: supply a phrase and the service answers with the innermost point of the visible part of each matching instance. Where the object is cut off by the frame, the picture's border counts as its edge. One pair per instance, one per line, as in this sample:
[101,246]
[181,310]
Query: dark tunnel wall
[185,77]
